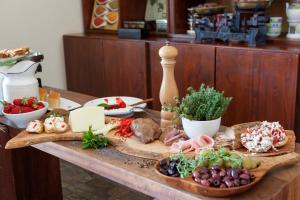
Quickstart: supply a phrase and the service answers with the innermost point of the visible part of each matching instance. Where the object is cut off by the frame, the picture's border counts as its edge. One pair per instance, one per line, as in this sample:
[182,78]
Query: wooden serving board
[132,146]
[267,163]
[25,139]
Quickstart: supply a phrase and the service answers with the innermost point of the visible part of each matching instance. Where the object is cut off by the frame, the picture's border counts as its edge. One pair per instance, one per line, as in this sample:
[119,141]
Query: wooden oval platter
[267,163]
[132,146]
[25,139]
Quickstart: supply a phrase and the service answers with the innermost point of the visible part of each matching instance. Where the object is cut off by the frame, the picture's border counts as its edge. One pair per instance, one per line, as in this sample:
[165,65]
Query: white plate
[112,100]
[67,104]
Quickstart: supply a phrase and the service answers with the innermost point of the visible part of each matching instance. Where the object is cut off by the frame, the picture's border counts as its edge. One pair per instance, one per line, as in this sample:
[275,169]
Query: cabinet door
[195,65]
[124,64]
[84,62]
[263,85]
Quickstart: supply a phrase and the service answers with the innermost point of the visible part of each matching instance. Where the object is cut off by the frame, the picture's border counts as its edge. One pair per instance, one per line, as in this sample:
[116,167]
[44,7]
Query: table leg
[27,173]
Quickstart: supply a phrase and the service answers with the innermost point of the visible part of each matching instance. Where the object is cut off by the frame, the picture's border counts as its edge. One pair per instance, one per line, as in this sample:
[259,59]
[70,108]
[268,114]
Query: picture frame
[156,10]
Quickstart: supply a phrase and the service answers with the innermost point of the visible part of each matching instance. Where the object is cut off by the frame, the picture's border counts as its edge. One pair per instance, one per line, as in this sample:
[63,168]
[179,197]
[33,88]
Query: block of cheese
[81,118]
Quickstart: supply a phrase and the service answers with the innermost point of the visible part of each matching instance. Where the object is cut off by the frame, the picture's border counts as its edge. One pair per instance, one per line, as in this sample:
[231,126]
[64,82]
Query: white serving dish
[67,104]
[117,112]
[193,129]
[21,120]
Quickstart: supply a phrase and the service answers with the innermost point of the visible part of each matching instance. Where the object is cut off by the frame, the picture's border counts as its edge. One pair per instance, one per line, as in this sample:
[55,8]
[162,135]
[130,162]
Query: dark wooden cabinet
[106,67]
[124,68]
[195,64]
[84,61]
[262,83]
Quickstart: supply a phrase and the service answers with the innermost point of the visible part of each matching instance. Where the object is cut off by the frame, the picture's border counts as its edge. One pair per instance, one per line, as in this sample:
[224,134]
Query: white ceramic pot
[194,129]
[21,120]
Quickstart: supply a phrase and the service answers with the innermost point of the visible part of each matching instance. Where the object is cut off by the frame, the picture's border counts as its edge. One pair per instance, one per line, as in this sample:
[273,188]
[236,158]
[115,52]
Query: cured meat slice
[171,135]
[192,145]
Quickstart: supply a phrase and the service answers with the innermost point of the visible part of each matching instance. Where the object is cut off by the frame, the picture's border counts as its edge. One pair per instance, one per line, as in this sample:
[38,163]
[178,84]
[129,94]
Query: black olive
[176,174]
[217,168]
[216,176]
[203,170]
[236,182]
[163,171]
[163,162]
[205,176]
[216,183]
[244,182]
[228,171]
[171,171]
[234,173]
[172,165]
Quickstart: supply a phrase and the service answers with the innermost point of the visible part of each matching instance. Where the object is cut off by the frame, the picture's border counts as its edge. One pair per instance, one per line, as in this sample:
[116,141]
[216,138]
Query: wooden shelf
[134,10]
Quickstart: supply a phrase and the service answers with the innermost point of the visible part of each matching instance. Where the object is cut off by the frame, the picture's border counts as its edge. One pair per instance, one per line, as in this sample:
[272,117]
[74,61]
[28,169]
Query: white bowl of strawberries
[22,111]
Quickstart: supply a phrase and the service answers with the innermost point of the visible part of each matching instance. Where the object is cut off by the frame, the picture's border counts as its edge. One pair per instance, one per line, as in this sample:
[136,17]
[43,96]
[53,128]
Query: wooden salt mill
[168,88]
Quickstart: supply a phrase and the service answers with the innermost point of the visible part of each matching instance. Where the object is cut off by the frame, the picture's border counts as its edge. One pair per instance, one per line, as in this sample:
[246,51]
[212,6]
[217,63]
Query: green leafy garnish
[203,105]
[185,166]
[90,140]
[104,105]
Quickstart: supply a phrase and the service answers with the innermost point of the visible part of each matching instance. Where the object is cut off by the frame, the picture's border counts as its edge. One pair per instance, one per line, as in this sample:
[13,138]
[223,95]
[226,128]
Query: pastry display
[6,53]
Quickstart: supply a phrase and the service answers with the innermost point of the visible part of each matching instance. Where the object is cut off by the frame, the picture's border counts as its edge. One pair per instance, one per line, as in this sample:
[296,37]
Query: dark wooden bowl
[190,185]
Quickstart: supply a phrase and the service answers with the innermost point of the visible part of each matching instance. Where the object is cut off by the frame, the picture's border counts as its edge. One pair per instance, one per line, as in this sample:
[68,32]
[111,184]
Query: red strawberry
[25,109]
[41,104]
[40,107]
[18,102]
[29,102]
[8,107]
[16,110]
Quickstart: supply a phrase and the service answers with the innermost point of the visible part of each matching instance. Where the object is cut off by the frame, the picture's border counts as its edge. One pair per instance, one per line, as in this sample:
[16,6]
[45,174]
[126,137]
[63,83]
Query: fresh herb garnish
[105,105]
[185,165]
[203,105]
[90,140]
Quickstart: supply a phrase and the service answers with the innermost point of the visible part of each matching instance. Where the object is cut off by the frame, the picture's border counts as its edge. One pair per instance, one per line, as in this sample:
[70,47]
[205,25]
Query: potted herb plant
[201,111]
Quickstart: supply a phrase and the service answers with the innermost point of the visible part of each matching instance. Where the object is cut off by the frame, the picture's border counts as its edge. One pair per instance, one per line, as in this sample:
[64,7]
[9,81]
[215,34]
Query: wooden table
[33,173]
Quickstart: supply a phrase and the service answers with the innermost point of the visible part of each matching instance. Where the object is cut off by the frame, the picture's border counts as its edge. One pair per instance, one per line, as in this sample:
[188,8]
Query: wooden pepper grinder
[168,88]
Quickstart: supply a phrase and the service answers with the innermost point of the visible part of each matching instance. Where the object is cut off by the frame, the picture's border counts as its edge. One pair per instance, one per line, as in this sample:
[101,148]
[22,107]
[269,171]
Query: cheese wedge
[82,118]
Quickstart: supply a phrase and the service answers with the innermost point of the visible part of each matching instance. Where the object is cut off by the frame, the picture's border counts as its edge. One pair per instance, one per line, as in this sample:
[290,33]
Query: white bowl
[21,120]
[193,129]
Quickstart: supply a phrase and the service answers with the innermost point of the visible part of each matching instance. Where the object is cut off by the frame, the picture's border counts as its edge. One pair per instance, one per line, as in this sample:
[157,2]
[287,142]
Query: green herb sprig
[202,105]
[90,140]
[185,165]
